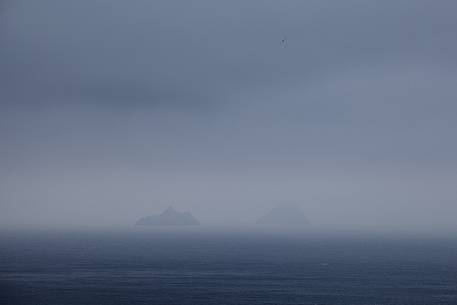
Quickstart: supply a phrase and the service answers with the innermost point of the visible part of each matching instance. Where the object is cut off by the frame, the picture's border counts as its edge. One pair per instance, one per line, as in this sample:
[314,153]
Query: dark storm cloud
[201,101]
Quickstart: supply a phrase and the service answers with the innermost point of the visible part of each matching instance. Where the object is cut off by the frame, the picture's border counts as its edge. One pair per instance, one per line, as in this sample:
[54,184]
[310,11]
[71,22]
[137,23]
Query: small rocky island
[284,215]
[169,217]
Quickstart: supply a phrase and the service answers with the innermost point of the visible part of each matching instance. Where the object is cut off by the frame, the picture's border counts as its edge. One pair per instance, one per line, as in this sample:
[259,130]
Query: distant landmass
[284,215]
[169,217]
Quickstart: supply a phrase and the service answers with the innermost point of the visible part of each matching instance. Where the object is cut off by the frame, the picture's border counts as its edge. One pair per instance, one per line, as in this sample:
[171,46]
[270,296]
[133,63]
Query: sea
[200,267]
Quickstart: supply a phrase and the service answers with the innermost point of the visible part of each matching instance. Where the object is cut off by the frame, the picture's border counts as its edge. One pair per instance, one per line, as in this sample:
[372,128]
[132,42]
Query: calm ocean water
[147,267]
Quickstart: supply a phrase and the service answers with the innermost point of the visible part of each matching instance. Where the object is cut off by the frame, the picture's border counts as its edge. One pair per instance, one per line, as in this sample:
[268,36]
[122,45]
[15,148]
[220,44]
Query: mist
[113,110]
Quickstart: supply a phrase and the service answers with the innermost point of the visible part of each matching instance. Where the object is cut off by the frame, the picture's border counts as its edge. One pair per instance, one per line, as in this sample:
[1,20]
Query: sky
[112,110]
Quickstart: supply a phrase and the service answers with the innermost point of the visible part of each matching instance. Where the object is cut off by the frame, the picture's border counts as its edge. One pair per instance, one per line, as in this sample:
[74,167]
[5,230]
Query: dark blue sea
[199,267]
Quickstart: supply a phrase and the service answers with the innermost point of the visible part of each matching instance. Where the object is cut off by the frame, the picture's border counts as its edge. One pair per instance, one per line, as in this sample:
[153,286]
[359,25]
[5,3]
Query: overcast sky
[111,110]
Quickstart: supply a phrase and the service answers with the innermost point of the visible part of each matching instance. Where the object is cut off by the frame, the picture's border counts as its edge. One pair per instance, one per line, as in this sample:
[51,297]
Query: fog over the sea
[111,110]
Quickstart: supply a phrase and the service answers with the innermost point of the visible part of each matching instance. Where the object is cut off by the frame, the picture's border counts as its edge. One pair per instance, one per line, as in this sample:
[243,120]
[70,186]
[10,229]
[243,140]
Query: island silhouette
[169,217]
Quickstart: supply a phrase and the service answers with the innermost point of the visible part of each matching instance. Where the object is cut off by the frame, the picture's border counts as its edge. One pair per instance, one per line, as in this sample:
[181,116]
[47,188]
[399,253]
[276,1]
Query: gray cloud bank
[110,110]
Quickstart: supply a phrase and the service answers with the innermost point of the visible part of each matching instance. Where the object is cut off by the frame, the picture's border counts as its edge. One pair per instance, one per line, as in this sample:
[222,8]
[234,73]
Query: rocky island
[169,217]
